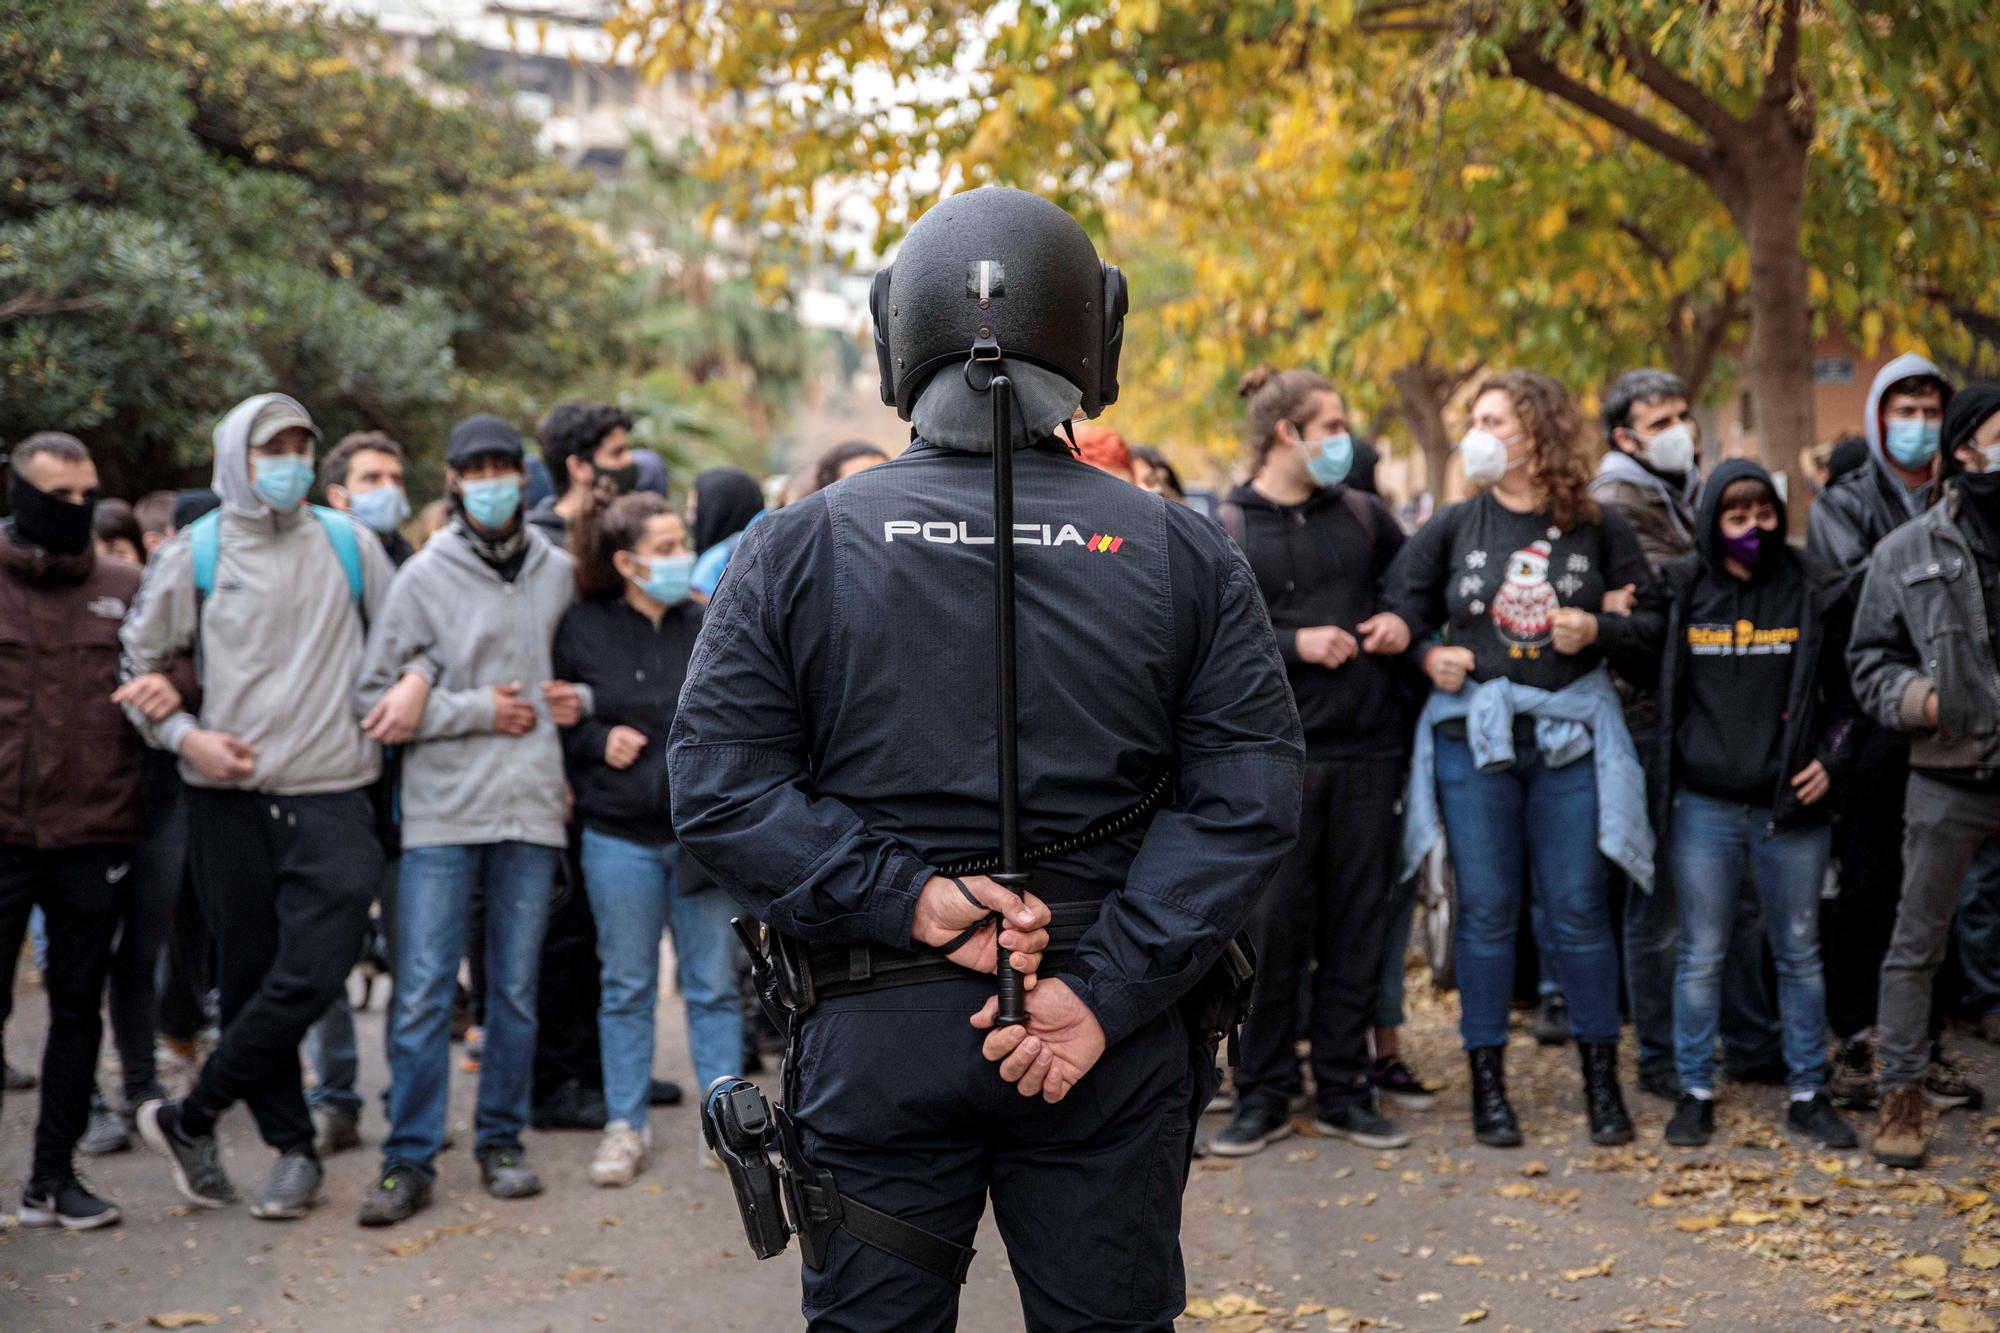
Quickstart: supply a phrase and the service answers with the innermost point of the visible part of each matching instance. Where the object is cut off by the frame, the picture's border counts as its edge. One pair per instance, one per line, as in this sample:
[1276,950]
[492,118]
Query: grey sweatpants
[1943,829]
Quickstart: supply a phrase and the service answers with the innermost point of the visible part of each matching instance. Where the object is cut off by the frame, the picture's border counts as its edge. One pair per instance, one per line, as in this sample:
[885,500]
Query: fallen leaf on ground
[1429,1297]
[1751,1217]
[1472,1316]
[1958,1319]
[183,1319]
[1981,1256]
[1707,1223]
[1221,1307]
[1516,1189]
[1467,1260]
[1928,1266]
[1601,1269]
[1535,1168]
[585,1273]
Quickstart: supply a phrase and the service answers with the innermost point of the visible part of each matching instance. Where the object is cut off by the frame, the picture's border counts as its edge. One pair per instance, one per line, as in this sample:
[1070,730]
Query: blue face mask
[282,480]
[492,503]
[1913,443]
[668,578]
[382,509]
[1335,459]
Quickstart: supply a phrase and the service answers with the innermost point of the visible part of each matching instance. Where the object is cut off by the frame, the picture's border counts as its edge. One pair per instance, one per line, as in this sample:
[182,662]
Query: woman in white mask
[1522,747]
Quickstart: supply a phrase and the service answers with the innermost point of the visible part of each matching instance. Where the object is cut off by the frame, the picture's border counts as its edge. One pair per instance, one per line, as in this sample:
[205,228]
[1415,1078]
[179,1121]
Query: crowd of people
[261,740]
[1635,649]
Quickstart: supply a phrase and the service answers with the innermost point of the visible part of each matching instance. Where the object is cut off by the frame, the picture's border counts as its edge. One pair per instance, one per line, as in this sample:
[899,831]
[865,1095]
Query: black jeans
[1868,842]
[78,891]
[146,915]
[288,881]
[896,1100]
[567,1047]
[1326,908]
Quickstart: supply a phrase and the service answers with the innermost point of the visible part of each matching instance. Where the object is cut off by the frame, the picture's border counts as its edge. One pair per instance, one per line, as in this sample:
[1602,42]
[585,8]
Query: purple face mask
[1748,549]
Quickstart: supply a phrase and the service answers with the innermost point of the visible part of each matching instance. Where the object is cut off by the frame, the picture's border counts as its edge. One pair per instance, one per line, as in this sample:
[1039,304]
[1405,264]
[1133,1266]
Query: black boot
[1609,1125]
[1493,1122]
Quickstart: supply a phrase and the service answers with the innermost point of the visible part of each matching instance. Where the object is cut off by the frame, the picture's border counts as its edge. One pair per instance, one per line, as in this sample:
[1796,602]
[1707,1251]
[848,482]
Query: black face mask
[616,480]
[57,526]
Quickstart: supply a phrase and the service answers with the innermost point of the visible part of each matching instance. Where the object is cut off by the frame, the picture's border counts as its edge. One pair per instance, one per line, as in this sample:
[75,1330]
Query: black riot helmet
[1006,272]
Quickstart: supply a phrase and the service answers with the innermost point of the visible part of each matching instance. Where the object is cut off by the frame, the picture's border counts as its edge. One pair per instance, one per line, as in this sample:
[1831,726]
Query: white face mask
[1672,450]
[1992,452]
[1485,457]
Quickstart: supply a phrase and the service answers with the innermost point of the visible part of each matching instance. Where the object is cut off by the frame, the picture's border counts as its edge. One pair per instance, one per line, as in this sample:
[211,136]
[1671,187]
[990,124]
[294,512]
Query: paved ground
[1312,1234]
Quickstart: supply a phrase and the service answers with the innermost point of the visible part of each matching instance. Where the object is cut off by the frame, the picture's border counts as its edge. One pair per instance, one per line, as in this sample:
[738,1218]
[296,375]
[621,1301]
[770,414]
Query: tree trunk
[1421,393]
[1771,216]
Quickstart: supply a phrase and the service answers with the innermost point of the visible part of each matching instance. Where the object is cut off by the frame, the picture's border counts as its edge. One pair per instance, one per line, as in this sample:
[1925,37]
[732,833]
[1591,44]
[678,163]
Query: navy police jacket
[836,737]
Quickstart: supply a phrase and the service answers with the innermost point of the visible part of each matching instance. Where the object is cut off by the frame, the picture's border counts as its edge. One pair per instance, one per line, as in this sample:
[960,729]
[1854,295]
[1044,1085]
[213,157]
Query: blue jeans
[1712,841]
[335,1057]
[632,890]
[1502,827]
[433,900]
[1395,952]
[1979,930]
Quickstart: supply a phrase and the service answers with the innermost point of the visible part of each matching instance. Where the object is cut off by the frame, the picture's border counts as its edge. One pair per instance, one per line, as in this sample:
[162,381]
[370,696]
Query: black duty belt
[849,969]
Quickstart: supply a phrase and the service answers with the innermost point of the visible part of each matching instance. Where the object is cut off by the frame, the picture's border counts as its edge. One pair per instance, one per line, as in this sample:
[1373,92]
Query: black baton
[1013,996]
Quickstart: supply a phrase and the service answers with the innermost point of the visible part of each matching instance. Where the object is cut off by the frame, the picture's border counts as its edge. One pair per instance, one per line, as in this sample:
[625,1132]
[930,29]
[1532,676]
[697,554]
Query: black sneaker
[1693,1124]
[570,1107]
[1252,1129]
[1360,1123]
[1818,1121]
[505,1175]
[66,1203]
[1662,1083]
[197,1160]
[293,1188]
[1399,1084]
[1552,1021]
[663,1092]
[400,1192]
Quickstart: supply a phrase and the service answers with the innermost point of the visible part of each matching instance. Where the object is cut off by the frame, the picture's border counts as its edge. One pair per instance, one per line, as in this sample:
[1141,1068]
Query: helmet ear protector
[901,391]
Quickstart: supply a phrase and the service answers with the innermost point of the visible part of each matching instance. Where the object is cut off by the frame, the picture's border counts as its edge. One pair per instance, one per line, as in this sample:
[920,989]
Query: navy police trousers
[897,1102]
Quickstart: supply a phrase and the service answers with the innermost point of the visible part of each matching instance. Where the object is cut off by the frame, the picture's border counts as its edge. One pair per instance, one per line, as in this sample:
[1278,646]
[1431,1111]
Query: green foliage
[201,200]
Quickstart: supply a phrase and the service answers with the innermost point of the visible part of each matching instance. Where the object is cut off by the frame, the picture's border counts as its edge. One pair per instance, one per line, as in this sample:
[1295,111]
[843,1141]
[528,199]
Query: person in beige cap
[272,597]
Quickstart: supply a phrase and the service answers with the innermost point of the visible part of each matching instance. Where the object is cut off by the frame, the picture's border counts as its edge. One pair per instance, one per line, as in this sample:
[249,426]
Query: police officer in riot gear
[833,764]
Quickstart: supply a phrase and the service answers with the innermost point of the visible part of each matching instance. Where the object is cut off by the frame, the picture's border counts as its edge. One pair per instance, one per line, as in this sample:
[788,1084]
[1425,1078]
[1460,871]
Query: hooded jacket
[1856,512]
[71,763]
[1819,717]
[279,641]
[1923,628]
[453,618]
[1319,563]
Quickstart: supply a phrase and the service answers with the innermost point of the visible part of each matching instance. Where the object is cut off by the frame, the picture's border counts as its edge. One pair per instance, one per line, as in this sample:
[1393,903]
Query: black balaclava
[40,519]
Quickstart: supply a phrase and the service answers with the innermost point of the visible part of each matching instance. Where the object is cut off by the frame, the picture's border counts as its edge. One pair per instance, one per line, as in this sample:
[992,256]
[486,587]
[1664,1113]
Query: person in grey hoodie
[272,598]
[1902,422]
[469,627]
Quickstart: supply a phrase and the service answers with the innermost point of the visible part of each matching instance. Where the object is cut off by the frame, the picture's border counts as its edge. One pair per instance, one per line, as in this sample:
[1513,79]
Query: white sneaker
[621,1155]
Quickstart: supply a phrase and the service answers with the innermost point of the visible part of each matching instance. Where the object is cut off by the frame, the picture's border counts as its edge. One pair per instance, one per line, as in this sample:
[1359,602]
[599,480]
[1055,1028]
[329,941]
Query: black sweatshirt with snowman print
[1488,579]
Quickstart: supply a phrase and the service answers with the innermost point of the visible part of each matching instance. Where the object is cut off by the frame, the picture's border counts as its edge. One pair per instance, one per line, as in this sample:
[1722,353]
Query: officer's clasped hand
[1053,1050]
[944,913]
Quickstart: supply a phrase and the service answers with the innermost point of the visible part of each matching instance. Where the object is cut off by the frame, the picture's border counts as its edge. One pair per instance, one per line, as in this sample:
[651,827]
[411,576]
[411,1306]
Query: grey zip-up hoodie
[452,618]
[281,636]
